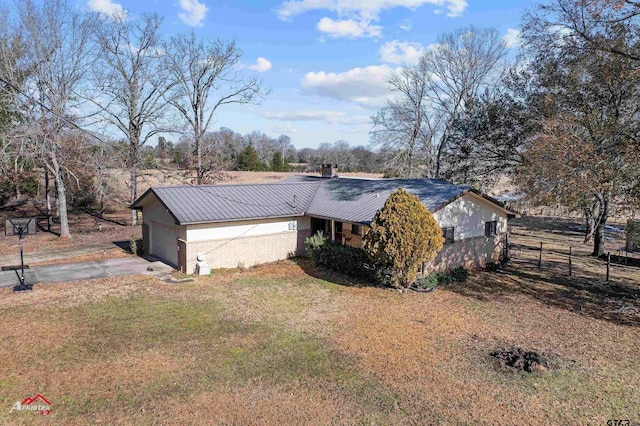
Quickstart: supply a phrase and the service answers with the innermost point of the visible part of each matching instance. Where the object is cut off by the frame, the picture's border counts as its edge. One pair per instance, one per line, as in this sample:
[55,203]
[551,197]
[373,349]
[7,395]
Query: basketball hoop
[21,227]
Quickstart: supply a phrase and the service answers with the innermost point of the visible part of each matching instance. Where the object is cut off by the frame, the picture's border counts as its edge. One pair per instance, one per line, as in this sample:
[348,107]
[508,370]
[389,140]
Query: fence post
[608,264]
[540,256]
[506,246]
[569,260]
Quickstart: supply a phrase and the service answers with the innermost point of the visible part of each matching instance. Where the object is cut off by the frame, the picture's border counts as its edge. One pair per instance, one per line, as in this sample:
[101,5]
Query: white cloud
[284,129]
[348,28]
[261,65]
[366,87]
[366,9]
[107,7]
[511,38]
[406,25]
[562,33]
[325,116]
[401,52]
[193,12]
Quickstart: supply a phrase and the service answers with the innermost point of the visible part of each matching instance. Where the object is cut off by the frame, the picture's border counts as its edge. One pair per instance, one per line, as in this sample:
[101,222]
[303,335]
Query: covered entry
[330,228]
[323,225]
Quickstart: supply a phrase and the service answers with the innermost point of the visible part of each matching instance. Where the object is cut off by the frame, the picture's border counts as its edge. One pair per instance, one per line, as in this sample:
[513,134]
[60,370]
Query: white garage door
[164,242]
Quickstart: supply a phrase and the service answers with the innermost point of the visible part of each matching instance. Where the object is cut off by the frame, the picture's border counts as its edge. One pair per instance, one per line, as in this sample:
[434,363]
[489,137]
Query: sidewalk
[61,253]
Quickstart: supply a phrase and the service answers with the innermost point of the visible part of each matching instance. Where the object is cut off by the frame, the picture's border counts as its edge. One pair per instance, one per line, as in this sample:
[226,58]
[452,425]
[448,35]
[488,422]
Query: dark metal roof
[345,199]
[358,200]
[190,204]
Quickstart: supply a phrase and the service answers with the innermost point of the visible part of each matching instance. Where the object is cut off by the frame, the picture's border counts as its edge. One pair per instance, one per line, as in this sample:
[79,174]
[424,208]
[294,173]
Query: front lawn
[278,344]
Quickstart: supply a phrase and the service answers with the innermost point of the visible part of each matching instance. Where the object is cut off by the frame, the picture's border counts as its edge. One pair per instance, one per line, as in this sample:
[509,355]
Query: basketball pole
[22,286]
[22,282]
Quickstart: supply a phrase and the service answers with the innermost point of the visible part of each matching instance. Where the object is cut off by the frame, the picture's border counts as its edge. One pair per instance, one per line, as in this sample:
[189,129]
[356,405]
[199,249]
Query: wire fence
[547,256]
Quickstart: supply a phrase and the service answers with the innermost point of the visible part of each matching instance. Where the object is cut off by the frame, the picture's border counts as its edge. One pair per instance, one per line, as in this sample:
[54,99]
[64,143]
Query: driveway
[85,271]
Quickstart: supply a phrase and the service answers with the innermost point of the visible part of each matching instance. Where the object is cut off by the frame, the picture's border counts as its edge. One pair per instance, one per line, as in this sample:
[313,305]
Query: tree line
[225,149]
[69,77]
[561,119]
[81,92]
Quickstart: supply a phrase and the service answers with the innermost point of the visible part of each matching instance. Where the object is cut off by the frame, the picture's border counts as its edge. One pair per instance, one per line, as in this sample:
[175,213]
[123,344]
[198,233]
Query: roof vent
[329,170]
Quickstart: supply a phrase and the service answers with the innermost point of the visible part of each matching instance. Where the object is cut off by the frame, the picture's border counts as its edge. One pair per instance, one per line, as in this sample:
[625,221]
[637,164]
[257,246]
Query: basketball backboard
[18,226]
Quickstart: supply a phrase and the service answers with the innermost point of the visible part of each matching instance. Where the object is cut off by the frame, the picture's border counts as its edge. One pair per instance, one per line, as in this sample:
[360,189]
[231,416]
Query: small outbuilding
[245,225]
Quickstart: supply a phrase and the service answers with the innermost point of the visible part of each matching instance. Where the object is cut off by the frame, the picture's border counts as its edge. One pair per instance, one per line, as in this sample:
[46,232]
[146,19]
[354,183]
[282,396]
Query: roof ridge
[235,185]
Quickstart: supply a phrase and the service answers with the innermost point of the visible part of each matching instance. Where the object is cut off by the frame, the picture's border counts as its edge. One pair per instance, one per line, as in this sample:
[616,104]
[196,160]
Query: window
[356,229]
[447,233]
[490,228]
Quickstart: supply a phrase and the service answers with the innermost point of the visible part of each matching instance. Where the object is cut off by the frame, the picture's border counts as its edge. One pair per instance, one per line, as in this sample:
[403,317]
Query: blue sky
[325,61]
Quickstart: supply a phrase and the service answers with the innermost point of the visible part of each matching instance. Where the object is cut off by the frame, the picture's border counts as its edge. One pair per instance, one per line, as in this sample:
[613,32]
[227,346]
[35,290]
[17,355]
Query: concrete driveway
[85,271]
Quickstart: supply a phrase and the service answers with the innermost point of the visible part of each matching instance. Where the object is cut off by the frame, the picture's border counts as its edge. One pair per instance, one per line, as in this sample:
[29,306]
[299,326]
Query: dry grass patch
[115,253]
[434,350]
[72,294]
[140,355]
[256,405]
[281,343]
[83,231]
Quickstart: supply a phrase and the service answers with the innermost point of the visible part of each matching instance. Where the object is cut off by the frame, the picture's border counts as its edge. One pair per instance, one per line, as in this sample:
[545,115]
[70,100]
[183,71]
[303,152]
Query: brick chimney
[329,170]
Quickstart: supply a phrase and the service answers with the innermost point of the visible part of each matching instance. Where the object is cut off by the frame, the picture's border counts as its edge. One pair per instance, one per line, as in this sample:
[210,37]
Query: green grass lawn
[280,345]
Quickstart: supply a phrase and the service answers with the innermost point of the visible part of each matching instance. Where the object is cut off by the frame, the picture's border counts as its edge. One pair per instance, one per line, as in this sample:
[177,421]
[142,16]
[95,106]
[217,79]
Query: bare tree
[15,66]
[205,76]
[460,66]
[286,147]
[591,25]
[264,145]
[486,142]
[130,84]
[586,154]
[57,41]
[407,123]
[436,91]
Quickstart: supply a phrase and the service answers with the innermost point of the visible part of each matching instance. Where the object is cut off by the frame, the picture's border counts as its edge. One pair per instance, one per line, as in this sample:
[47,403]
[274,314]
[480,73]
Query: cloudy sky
[325,61]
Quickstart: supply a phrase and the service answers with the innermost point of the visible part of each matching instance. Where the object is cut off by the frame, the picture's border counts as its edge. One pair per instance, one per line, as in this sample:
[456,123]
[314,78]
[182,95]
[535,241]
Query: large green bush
[403,235]
[344,259]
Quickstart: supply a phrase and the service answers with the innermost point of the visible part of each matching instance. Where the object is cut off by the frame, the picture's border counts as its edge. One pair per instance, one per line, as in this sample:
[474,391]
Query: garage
[231,225]
[164,242]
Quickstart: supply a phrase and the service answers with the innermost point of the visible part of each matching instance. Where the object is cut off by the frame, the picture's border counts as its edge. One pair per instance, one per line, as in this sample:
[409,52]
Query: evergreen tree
[403,234]
[248,159]
[278,164]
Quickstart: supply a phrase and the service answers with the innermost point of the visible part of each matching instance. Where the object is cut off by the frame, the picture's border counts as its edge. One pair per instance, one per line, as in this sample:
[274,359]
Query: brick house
[244,225]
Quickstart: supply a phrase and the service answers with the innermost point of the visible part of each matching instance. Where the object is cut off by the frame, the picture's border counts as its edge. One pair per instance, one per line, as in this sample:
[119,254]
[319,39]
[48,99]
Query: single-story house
[244,225]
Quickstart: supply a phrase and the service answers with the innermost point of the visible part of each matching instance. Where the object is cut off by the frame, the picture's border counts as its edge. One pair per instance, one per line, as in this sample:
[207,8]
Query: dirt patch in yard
[521,360]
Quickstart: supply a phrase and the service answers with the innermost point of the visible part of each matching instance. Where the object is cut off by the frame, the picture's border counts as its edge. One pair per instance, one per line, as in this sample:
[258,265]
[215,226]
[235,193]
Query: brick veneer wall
[470,253]
[246,251]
